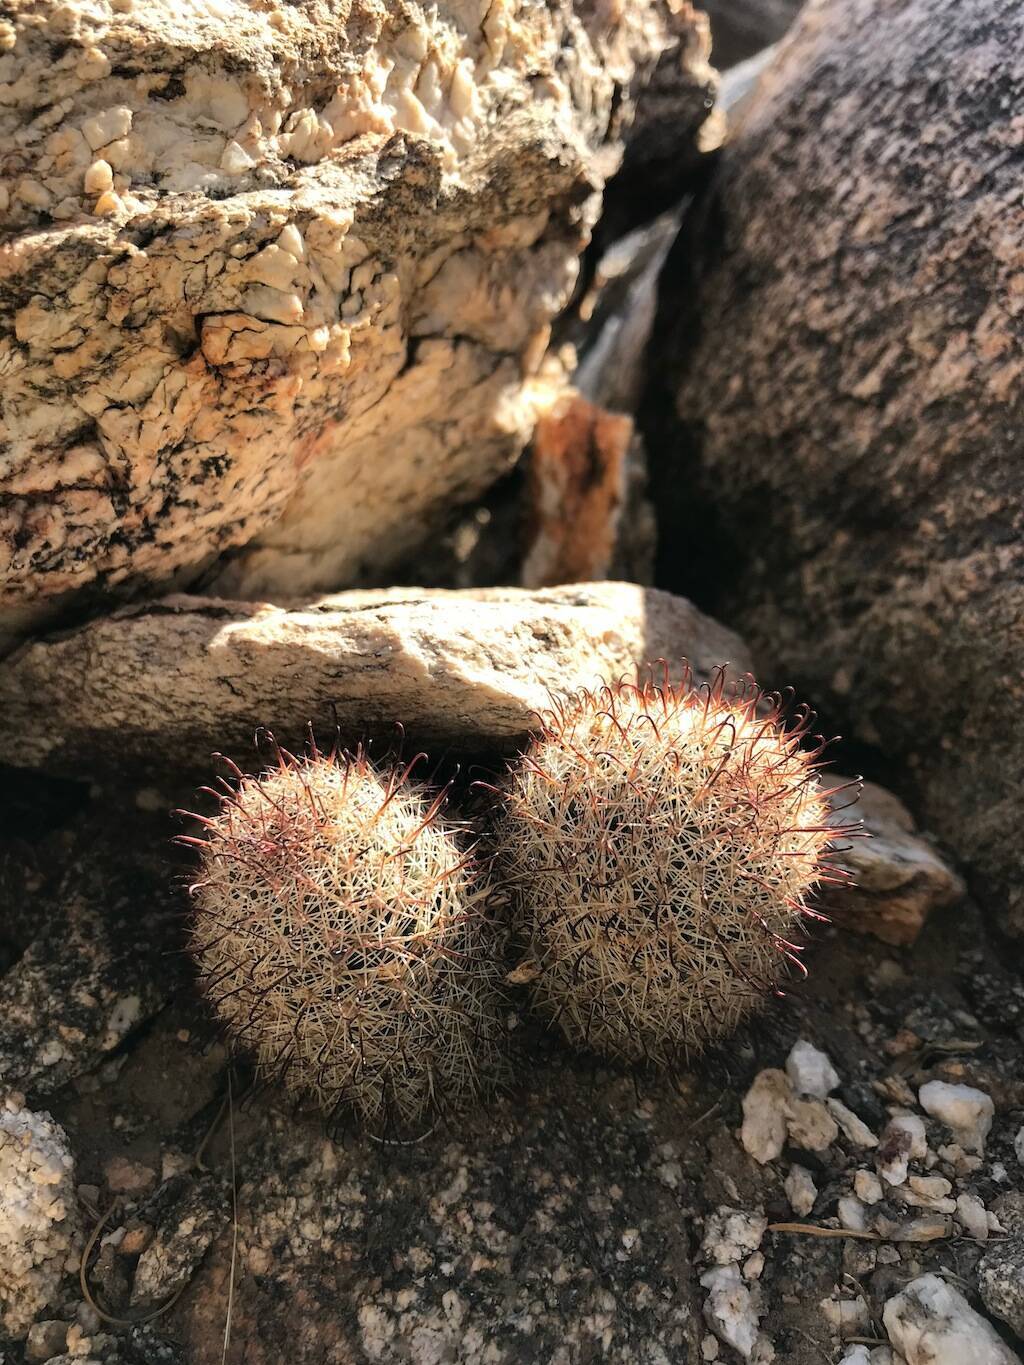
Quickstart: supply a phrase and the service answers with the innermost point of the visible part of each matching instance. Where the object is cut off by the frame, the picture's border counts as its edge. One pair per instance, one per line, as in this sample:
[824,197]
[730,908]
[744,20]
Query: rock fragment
[45,1339]
[903,1140]
[898,876]
[867,1187]
[931,1323]
[851,1124]
[732,1308]
[732,1234]
[801,1190]
[972,1217]
[765,1114]
[810,1125]
[191,1215]
[1001,1282]
[810,1071]
[965,1110]
[577,487]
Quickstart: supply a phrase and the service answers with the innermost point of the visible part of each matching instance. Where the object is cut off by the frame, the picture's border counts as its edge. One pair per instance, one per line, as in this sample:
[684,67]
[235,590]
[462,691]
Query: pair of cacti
[657,844]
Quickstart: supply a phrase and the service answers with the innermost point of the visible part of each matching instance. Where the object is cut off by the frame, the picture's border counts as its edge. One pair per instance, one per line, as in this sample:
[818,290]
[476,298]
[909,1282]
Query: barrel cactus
[342,934]
[659,843]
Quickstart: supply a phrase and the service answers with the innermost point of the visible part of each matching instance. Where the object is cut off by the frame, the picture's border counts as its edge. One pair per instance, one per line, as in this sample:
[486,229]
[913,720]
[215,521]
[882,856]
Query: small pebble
[851,1214]
[45,1340]
[966,1111]
[855,1355]
[855,1128]
[128,1177]
[931,1186]
[763,1134]
[867,1187]
[753,1266]
[801,1190]
[972,1217]
[810,1071]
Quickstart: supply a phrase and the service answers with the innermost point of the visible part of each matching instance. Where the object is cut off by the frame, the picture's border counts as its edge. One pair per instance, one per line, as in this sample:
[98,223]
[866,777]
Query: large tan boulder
[281,277]
[839,467]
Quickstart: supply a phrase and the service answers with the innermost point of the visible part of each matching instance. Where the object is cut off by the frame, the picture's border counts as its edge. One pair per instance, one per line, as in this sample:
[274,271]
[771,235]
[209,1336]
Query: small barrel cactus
[659,843]
[342,936]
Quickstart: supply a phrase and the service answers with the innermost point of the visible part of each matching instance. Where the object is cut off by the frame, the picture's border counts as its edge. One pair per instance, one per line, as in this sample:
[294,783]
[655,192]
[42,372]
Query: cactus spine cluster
[659,844]
[342,935]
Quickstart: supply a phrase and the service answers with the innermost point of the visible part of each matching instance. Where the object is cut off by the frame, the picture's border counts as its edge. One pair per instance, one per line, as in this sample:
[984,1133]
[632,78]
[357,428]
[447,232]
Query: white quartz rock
[810,1071]
[972,1216]
[732,1308]
[931,1323]
[853,1127]
[730,1235]
[967,1112]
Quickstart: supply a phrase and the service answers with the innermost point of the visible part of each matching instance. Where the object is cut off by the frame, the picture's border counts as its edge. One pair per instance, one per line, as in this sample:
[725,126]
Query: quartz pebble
[851,1214]
[855,1355]
[966,1111]
[853,1127]
[732,1234]
[763,1133]
[931,1323]
[867,1187]
[732,1309]
[801,1190]
[811,1127]
[971,1215]
[810,1071]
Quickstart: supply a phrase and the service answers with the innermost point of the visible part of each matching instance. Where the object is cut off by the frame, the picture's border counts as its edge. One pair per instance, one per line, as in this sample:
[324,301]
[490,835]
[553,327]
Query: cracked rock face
[282,278]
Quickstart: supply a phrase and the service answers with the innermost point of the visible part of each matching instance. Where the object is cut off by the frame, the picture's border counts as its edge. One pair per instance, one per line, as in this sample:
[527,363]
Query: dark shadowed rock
[838,466]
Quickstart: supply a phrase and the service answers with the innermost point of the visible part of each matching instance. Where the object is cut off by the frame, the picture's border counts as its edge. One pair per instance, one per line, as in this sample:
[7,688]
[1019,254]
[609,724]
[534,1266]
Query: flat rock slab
[158,687]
